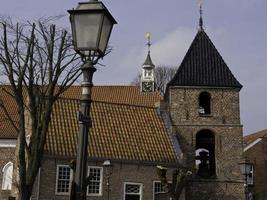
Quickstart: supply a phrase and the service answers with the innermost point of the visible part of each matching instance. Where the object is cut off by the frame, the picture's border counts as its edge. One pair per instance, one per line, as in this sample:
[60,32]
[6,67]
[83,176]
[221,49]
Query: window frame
[100,183]
[71,178]
[133,183]
[158,181]
[4,179]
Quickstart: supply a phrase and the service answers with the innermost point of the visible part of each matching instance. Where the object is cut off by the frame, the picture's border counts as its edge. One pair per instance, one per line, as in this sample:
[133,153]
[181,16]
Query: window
[7,176]
[204,103]
[159,192]
[64,178]
[95,186]
[250,177]
[133,191]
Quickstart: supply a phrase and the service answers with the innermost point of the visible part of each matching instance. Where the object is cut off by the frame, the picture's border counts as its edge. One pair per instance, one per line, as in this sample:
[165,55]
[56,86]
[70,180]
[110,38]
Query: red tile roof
[252,137]
[131,95]
[126,125]
[122,132]
[7,131]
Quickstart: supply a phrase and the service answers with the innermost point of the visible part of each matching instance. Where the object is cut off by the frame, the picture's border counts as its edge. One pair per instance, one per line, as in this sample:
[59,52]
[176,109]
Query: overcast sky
[238,28]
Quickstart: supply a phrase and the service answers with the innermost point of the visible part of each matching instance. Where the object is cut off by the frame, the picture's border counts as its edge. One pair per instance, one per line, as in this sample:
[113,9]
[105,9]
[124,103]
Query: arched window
[204,103]
[7,176]
[205,154]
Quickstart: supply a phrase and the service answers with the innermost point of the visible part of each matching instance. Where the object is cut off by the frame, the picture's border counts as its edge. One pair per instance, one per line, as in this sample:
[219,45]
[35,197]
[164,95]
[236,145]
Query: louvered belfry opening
[204,101]
[205,154]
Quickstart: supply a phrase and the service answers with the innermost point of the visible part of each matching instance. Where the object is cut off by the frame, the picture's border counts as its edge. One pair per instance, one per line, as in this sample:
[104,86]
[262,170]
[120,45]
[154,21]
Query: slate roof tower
[203,101]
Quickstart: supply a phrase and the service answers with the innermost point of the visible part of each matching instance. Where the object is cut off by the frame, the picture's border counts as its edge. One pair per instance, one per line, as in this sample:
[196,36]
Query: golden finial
[148,37]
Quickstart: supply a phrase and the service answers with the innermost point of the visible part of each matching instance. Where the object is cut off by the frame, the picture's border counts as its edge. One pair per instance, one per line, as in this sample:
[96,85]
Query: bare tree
[39,64]
[163,74]
[180,177]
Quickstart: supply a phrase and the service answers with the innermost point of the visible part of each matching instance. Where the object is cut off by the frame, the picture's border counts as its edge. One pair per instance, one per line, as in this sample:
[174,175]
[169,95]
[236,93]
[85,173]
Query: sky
[238,29]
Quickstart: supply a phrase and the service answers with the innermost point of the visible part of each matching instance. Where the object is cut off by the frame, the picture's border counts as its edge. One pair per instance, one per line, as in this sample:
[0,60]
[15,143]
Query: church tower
[203,99]
[147,76]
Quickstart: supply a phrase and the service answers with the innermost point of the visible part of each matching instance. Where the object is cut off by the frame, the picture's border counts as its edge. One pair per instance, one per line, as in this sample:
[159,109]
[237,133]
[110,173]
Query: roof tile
[118,132]
[126,125]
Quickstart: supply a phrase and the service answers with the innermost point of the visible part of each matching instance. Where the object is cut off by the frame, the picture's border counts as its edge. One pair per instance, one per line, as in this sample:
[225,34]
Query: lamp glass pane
[106,29]
[87,30]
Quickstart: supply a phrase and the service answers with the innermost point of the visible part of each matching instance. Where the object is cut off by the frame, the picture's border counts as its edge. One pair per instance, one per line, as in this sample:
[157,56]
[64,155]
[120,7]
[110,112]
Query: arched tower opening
[205,154]
[204,102]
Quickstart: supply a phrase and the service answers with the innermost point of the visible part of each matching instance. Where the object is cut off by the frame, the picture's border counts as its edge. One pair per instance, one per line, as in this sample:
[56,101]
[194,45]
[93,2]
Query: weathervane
[200,3]
[148,37]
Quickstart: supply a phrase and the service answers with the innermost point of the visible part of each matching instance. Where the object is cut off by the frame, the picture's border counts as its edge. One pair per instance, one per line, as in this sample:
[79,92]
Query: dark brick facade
[121,173]
[257,154]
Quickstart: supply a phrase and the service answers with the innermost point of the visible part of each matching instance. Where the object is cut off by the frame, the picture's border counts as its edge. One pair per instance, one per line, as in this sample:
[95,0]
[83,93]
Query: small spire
[201,14]
[148,61]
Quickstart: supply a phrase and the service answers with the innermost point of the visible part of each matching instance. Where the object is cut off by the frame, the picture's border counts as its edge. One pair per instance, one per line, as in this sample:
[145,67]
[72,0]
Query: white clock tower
[147,77]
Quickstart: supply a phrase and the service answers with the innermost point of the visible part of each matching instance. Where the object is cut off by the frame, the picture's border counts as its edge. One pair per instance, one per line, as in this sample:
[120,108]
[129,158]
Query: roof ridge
[105,102]
[258,132]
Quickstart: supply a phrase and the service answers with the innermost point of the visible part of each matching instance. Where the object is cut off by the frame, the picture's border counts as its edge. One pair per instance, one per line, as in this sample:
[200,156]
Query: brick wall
[224,123]
[258,155]
[121,173]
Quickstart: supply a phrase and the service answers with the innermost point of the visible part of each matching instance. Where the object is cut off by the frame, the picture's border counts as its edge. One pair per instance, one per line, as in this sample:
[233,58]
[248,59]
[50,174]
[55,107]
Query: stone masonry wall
[121,173]
[215,190]
[224,106]
[224,122]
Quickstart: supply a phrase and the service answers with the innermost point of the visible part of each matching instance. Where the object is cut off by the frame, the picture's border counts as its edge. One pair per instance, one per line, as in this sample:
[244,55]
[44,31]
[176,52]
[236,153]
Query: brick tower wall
[224,122]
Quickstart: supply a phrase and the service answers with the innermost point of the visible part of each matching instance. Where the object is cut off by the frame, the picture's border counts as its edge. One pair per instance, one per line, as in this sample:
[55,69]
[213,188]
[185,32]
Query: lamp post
[107,167]
[91,25]
[245,168]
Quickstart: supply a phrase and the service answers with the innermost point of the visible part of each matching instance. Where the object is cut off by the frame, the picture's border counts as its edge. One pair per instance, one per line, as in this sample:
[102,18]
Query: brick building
[255,149]
[127,129]
[197,122]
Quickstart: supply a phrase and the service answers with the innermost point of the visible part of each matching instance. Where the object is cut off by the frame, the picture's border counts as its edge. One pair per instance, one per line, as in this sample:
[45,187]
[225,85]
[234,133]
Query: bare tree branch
[40,64]
[163,75]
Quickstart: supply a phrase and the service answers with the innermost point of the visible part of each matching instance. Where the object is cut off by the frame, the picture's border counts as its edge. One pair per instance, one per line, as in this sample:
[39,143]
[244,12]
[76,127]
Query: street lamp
[91,25]
[108,171]
[246,168]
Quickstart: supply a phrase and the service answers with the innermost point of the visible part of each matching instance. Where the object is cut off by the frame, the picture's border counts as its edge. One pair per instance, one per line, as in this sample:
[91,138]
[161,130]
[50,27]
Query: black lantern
[108,168]
[245,167]
[91,25]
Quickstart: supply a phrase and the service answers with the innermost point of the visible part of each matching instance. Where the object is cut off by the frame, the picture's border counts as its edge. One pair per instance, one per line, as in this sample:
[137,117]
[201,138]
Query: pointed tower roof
[148,62]
[204,66]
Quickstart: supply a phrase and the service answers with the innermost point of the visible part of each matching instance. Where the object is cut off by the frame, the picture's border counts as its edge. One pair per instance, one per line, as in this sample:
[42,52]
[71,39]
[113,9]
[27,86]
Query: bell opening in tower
[205,154]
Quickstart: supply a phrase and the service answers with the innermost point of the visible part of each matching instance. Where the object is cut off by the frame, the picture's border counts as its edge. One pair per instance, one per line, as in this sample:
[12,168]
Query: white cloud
[169,50]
